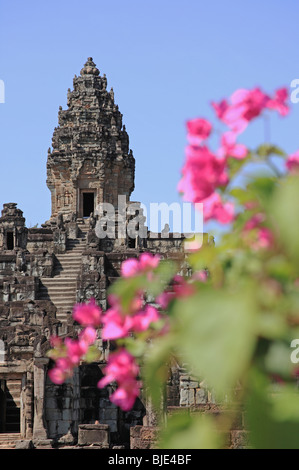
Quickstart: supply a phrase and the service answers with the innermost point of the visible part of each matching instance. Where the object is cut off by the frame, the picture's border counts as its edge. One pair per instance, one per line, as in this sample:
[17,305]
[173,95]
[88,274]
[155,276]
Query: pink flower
[56,341]
[220,108]
[201,174]
[245,105]
[257,236]
[88,335]
[182,288]
[265,239]
[229,147]
[254,222]
[75,350]
[143,319]
[57,375]
[198,130]
[133,267]
[292,163]
[87,314]
[201,276]
[129,267]
[215,209]
[62,370]
[249,103]
[164,299]
[120,368]
[116,324]
[125,395]
[148,261]
[279,102]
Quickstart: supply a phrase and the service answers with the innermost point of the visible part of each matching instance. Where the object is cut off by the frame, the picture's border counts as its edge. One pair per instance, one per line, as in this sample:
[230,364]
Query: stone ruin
[45,271]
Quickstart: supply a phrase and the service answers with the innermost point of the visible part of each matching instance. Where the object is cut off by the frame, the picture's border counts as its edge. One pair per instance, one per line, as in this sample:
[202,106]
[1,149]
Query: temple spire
[90,68]
[91,159]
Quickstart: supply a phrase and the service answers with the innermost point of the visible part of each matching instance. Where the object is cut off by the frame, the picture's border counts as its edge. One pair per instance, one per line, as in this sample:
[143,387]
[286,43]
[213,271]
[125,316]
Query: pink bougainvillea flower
[187,185]
[56,342]
[201,276]
[88,335]
[130,267]
[256,235]
[198,130]
[292,162]
[202,173]
[87,314]
[57,375]
[255,221]
[265,238]
[220,108]
[143,319]
[125,395]
[215,209]
[164,299]
[229,147]
[146,262]
[249,103]
[75,350]
[279,102]
[62,370]
[116,324]
[244,106]
[121,367]
[182,288]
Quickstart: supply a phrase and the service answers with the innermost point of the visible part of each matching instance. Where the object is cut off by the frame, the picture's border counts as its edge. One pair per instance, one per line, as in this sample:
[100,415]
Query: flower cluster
[123,369]
[119,324]
[145,264]
[205,173]
[116,324]
[257,234]
[67,354]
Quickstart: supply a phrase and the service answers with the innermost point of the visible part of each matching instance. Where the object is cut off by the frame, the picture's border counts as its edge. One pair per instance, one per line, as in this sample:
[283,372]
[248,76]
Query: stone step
[68,271]
[59,300]
[58,288]
[8,440]
[68,264]
[67,306]
[67,278]
[75,267]
[52,280]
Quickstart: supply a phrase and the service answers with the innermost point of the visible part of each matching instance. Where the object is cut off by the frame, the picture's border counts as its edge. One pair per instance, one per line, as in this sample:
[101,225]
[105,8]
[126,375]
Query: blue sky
[166,61]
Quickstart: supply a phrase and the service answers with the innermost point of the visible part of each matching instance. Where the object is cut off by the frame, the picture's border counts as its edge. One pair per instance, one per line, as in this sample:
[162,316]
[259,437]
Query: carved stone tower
[91,161]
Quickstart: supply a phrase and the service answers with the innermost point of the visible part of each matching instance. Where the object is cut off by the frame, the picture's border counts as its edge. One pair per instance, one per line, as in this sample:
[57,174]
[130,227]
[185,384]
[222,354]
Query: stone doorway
[87,203]
[10,391]
[10,240]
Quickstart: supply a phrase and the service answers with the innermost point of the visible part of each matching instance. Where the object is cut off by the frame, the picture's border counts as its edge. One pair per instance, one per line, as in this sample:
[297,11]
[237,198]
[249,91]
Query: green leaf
[156,366]
[272,417]
[184,431]
[93,354]
[265,150]
[284,211]
[216,335]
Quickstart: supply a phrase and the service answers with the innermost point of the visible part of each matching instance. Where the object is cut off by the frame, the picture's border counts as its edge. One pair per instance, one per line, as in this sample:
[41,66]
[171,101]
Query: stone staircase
[61,288]
[9,440]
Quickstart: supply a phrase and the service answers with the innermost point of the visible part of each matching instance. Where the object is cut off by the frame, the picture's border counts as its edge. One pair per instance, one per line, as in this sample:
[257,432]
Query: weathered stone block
[89,434]
[201,396]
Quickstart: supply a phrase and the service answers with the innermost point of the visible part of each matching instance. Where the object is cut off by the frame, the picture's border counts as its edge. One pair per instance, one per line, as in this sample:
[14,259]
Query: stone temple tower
[90,161]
